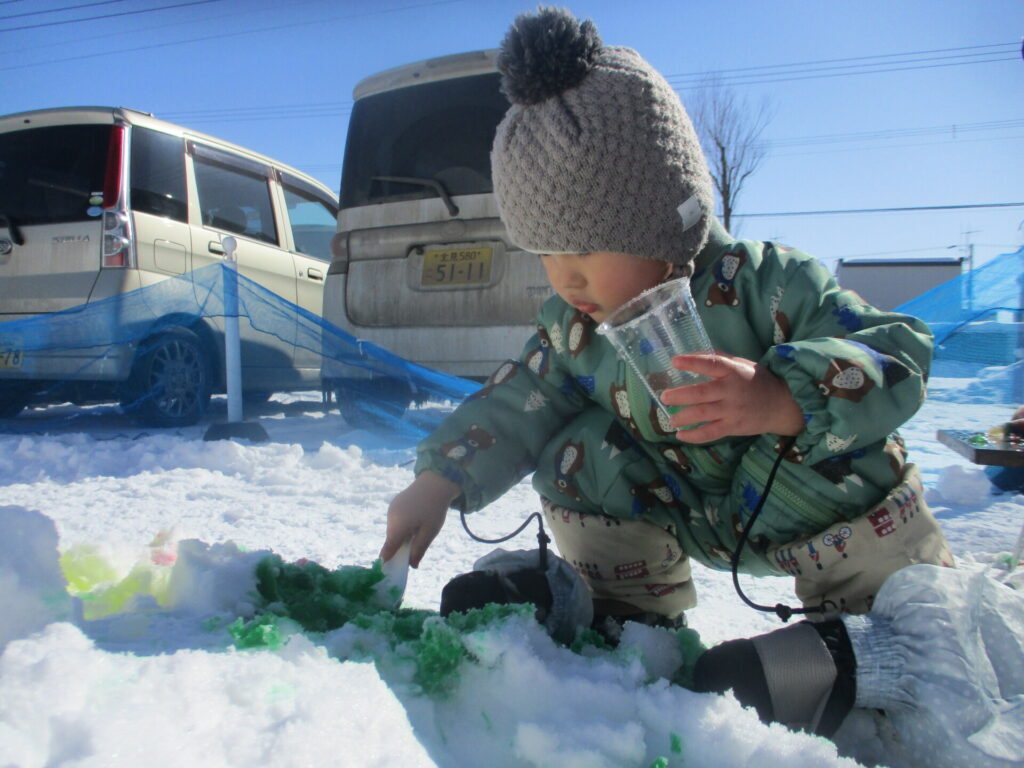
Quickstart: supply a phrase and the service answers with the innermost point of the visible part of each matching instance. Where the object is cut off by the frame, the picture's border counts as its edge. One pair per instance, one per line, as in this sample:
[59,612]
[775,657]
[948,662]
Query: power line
[769,73]
[893,253]
[839,61]
[913,145]
[763,81]
[110,15]
[878,210]
[58,10]
[895,133]
[222,34]
[210,19]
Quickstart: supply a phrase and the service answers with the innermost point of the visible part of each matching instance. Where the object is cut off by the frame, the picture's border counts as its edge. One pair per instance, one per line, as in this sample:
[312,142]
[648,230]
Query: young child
[598,170]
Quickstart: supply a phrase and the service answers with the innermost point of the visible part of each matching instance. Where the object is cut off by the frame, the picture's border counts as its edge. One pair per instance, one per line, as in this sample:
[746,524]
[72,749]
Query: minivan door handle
[314,274]
[216,247]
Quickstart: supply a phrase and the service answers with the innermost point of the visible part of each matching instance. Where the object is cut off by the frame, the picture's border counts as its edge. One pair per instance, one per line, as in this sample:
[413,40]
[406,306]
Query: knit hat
[596,152]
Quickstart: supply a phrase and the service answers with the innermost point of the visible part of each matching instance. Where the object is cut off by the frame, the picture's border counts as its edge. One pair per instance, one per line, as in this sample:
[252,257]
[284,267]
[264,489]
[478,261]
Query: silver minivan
[96,202]
[421,262]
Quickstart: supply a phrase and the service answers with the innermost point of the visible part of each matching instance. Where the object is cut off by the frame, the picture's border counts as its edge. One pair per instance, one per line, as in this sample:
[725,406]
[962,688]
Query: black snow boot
[803,676]
[479,588]
[561,597]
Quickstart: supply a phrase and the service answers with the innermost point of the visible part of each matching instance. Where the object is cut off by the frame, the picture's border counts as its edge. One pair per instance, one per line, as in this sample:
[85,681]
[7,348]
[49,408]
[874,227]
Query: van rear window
[49,174]
[439,131]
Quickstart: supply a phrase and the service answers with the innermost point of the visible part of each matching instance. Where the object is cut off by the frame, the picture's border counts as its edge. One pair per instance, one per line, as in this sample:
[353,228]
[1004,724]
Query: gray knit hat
[596,152]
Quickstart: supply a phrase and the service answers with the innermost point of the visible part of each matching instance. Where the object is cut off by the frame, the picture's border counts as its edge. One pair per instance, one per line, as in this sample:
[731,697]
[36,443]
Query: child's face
[600,282]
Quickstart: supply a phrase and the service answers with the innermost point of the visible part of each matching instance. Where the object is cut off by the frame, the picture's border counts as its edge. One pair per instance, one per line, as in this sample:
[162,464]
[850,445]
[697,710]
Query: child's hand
[743,398]
[417,515]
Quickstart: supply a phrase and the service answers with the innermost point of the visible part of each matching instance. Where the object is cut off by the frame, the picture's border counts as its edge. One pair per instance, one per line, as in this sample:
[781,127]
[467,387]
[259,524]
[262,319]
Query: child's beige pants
[840,568]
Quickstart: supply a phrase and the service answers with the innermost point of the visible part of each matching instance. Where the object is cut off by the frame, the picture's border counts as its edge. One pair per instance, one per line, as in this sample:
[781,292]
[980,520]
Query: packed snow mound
[33,592]
[173,656]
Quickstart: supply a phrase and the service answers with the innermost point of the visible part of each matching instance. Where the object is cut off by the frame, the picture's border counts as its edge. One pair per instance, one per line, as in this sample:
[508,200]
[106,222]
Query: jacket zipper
[794,500]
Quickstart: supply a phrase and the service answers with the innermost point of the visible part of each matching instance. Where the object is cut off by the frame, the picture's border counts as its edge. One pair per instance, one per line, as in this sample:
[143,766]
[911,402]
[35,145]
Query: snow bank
[33,592]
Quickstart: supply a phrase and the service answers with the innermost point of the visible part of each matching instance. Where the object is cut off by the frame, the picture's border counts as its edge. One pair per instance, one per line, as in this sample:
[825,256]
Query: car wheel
[170,382]
[373,403]
[14,396]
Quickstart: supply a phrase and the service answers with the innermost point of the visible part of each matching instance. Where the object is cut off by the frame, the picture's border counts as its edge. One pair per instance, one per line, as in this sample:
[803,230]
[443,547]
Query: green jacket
[856,372]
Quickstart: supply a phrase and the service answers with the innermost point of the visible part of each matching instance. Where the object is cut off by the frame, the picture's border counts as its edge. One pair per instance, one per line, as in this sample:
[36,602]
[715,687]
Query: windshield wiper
[13,228]
[434,184]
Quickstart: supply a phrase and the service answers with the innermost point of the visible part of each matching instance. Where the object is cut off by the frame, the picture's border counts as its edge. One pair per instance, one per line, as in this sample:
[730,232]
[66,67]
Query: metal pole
[970,276]
[232,342]
[1018,316]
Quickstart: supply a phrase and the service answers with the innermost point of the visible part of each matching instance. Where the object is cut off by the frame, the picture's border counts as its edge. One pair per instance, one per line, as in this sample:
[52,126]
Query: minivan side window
[313,217]
[53,174]
[234,194]
[158,174]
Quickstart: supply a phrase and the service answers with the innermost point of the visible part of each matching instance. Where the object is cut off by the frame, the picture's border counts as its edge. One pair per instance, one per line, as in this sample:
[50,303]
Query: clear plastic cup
[651,329]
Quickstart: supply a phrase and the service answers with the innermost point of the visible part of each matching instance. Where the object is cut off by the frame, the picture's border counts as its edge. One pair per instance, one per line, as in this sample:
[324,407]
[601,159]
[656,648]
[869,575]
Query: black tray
[998,453]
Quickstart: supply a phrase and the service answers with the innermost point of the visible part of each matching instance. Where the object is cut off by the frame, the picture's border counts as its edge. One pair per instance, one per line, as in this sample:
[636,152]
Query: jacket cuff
[803,387]
[471,498]
[879,661]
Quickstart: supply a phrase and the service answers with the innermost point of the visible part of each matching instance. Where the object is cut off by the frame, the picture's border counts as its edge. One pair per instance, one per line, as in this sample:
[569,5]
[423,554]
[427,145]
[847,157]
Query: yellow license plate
[457,266]
[10,357]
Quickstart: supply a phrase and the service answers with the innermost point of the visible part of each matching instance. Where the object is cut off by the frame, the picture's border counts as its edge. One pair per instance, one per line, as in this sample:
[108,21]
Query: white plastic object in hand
[391,588]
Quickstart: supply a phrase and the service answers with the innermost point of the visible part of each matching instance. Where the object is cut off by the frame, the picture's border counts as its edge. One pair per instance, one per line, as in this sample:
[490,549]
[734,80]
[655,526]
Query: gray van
[99,201]
[421,262]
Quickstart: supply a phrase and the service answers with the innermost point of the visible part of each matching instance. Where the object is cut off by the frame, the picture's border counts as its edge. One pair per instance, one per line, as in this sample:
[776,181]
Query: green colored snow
[589,638]
[438,658]
[261,632]
[691,648]
[676,747]
[677,744]
[305,596]
[317,598]
[321,600]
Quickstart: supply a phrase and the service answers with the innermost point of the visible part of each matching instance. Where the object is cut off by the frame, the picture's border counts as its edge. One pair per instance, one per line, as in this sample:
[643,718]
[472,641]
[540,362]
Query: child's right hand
[417,515]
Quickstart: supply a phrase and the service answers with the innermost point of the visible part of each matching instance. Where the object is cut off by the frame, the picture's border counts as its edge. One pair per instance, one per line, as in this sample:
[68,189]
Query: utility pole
[968,246]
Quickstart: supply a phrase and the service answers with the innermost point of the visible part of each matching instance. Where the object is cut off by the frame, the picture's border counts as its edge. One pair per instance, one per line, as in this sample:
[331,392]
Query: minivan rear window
[52,174]
[439,131]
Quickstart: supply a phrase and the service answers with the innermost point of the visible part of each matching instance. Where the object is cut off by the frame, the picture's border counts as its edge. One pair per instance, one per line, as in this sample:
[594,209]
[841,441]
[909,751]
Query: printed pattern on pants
[630,561]
[843,567]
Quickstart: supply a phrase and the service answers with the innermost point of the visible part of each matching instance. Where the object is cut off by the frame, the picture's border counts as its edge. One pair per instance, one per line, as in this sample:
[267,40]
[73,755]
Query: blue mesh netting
[978,321]
[62,350]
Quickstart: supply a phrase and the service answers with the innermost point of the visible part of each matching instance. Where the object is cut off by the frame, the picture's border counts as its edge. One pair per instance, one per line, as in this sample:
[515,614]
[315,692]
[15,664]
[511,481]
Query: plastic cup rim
[609,326]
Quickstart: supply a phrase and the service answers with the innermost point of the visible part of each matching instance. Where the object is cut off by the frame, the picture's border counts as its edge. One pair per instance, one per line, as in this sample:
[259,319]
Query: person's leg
[632,567]
[843,567]
[615,513]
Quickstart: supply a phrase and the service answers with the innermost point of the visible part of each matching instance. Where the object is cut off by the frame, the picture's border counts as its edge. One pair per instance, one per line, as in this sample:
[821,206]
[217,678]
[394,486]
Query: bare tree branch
[730,133]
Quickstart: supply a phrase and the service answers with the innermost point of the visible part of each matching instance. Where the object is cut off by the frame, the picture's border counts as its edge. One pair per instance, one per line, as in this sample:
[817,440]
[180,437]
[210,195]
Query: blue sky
[864,119]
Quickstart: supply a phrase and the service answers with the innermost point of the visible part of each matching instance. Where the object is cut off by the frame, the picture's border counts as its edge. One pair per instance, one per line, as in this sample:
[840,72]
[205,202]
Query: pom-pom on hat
[596,152]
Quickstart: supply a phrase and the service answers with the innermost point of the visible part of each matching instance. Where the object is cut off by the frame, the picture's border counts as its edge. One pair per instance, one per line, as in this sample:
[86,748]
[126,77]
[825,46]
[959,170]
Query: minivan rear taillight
[117,235]
[116,239]
[112,177]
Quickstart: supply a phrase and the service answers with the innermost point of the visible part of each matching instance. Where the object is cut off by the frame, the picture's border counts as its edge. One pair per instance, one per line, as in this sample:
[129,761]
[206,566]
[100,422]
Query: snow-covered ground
[160,682]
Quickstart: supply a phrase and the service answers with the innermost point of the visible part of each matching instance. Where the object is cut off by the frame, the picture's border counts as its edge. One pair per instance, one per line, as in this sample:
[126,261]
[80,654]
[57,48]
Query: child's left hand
[743,398]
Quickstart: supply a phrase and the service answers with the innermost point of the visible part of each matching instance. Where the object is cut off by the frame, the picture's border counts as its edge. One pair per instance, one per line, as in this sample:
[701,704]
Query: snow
[172,526]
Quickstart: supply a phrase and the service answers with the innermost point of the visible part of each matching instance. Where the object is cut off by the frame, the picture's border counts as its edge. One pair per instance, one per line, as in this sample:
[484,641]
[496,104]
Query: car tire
[171,380]
[373,403]
[14,396]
